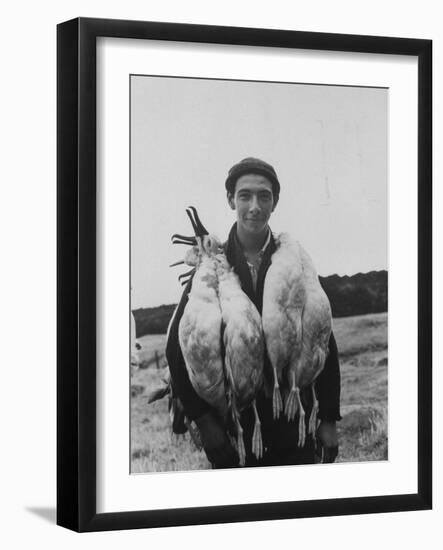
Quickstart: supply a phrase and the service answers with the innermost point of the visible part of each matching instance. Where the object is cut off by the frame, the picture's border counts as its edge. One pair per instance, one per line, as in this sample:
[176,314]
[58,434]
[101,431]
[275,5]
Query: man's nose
[254,206]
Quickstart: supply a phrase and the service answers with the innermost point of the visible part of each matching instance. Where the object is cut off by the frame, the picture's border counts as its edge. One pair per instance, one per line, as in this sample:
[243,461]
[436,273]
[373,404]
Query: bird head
[206,243]
[201,243]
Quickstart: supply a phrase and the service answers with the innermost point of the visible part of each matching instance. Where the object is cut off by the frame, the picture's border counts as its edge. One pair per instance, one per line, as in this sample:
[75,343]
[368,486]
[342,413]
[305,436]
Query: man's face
[254,202]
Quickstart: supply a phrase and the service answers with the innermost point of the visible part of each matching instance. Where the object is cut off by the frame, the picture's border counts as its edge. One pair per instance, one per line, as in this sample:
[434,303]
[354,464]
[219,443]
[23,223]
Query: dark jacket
[280,434]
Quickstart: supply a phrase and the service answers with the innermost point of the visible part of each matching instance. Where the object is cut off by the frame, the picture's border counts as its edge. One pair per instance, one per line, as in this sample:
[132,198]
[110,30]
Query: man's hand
[328,439]
[215,442]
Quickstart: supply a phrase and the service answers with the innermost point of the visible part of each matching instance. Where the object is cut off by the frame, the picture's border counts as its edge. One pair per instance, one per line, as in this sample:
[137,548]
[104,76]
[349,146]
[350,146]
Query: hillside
[358,294]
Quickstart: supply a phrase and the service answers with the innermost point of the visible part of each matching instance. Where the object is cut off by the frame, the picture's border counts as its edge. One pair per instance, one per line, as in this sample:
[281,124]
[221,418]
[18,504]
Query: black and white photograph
[258,274]
[222,319]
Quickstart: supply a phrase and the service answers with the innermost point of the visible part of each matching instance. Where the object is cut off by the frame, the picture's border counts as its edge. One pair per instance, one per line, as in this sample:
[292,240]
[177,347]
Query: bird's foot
[291,404]
[313,419]
[257,442]
[241,449]
[301,428]
[277,403]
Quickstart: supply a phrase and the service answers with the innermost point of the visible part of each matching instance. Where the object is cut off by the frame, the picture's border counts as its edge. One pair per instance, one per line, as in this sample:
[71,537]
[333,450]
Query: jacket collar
[236,258]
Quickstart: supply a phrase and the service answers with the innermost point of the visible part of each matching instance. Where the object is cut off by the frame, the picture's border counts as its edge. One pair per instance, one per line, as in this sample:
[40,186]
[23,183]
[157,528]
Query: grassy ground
[362,344]
[154,448]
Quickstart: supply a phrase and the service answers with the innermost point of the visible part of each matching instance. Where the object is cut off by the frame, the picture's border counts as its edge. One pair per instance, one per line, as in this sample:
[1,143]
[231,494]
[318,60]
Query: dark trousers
[280,437]
[285,457]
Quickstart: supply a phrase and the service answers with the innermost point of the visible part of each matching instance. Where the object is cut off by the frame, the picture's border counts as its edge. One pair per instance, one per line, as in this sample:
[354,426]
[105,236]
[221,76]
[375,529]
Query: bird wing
[199,336]
[317,326]
[283,304]
[245,354]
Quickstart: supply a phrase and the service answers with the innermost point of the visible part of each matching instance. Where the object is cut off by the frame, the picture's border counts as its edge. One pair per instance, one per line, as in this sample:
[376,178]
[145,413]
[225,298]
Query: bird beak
[177,263]
[199,228]
[183,239]
[184,275]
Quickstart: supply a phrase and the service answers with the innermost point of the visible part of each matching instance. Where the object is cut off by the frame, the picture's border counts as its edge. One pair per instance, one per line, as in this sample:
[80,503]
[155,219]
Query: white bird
[297,324]
[242,334]
[200,327]
[244,352]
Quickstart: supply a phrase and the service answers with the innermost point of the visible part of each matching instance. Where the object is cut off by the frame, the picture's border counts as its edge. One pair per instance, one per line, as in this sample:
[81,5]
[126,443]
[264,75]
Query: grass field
[362,344]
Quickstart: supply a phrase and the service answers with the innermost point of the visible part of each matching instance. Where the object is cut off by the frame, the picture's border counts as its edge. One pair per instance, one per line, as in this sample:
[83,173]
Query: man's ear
[274,205]
[231,200]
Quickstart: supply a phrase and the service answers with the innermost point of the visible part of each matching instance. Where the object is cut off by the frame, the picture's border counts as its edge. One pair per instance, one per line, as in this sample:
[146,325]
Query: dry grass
[153,446]
[362,343]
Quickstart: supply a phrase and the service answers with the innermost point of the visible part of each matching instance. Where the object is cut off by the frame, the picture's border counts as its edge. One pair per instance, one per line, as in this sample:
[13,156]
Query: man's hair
[251,165]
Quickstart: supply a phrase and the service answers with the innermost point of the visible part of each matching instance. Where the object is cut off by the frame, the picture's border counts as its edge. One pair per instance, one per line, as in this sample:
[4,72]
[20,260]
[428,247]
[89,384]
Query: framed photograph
[244,274]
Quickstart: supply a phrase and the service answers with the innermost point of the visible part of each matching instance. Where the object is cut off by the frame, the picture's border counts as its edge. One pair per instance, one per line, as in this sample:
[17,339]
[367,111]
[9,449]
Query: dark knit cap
[252,165]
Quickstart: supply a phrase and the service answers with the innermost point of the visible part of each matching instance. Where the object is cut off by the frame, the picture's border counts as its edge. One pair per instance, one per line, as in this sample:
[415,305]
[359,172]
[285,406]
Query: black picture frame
[76,278]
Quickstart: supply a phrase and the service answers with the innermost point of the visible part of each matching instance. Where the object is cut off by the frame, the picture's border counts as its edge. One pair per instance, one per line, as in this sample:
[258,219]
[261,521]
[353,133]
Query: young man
[253,191]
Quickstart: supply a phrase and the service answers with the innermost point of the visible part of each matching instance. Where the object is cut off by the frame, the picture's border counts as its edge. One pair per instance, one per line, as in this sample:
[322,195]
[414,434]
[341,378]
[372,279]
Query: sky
[328,145]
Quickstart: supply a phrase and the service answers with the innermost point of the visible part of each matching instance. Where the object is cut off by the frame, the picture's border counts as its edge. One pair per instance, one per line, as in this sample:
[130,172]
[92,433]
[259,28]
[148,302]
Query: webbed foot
[257,442]
[277,403]
[301,428]
[291,404]
[241,448]
[313,417]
